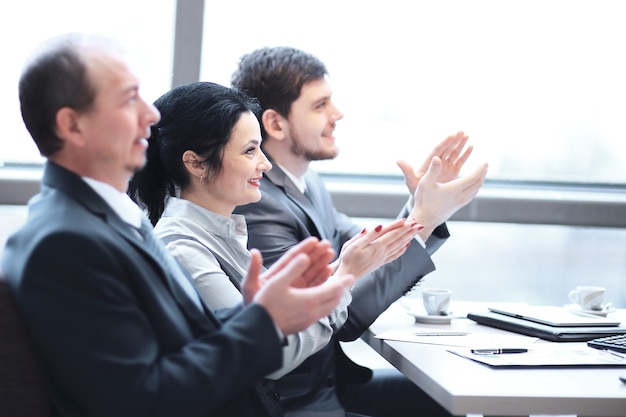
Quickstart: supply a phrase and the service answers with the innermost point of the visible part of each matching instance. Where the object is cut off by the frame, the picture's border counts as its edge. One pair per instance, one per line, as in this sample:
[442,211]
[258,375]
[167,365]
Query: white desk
[465,387]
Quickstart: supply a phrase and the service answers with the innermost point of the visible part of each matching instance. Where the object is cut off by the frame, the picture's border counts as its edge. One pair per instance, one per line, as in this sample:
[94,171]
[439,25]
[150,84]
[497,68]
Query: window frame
[383,196]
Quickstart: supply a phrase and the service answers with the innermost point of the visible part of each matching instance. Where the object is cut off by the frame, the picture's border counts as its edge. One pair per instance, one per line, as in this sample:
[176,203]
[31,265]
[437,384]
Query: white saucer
[422,317]
[606,309]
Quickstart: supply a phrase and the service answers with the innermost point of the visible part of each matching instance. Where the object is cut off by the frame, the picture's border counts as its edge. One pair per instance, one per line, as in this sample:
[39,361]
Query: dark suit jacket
[285,216]
[115,336]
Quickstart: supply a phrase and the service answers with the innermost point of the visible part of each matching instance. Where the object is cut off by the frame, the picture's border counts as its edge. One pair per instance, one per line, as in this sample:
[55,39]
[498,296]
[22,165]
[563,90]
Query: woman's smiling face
[243,165]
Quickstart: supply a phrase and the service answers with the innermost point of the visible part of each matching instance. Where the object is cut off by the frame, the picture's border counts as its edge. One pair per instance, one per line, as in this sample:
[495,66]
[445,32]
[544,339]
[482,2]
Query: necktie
[172,268]
[309,193]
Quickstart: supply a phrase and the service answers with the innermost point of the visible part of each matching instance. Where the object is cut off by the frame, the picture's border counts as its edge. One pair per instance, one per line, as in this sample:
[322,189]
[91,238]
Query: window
[145,27]
[538,85]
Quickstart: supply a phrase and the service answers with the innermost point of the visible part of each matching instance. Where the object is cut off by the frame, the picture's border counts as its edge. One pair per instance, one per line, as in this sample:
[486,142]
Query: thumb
[251,282]
[410,178]
[434,169]
[406,168]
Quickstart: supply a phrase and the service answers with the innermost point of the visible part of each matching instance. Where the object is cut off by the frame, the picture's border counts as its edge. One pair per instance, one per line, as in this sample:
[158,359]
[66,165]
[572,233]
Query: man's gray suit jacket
[284,216]
[115,335]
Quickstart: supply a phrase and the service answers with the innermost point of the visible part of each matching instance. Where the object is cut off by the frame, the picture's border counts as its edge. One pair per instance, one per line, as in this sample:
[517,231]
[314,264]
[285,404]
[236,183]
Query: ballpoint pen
[498,351]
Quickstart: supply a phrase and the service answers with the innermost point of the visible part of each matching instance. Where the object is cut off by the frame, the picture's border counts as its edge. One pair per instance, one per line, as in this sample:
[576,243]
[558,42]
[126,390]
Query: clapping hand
[452,155]
[292,308]
[435,202]
[319,254]
[370,249]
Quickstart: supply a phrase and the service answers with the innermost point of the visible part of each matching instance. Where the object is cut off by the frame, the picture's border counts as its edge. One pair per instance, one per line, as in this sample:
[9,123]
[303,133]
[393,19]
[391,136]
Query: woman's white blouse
[189,229]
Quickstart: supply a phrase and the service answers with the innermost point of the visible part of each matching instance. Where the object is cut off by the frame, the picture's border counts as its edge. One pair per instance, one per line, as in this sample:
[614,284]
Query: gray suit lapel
[308,206]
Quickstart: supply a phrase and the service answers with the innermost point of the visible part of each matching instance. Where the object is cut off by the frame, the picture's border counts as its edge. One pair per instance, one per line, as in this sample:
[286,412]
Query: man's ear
[68,126]
[194,165]
[274,124]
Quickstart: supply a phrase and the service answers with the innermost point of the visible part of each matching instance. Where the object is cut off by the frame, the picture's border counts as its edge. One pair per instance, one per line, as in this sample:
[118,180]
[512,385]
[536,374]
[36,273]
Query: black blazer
[115,337]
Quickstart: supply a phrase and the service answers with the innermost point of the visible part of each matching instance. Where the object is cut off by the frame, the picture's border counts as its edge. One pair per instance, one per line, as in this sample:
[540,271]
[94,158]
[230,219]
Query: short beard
[311,155]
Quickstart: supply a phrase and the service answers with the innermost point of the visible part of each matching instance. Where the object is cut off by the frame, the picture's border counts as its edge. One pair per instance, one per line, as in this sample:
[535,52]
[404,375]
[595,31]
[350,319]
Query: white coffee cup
[588,297]
[436,300]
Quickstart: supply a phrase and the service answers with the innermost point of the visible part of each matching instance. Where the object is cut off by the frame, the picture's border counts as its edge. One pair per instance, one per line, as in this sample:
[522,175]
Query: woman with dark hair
[204,160]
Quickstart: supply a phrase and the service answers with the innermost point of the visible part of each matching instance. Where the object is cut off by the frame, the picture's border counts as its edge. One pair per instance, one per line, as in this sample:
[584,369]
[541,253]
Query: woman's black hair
[199,117]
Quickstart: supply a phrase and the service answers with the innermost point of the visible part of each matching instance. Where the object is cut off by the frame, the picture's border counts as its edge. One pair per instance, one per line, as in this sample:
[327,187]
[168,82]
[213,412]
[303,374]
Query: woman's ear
[194,165]
[274,124]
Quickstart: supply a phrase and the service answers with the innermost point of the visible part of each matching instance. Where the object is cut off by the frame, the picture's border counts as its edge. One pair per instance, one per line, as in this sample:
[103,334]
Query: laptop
[544,331]
[555,316]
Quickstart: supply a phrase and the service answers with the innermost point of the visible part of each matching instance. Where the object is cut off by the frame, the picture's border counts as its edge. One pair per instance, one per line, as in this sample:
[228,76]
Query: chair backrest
[22,387]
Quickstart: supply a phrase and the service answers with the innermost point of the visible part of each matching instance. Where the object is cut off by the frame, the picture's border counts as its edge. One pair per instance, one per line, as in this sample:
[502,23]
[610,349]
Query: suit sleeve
[375,292]
[115,346]
[273,228]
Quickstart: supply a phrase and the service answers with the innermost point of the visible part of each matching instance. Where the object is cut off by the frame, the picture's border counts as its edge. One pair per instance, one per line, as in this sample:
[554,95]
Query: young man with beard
[298,123]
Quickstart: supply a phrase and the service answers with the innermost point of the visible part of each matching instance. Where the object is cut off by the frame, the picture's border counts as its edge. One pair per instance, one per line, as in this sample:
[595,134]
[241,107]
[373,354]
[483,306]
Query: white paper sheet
[447,337]
[547,357]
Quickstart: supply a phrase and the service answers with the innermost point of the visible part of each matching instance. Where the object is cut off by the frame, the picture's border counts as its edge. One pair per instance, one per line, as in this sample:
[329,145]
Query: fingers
[393,225]
[321,250]
[397,230]
[476,178]
[294,309]
[464,189]
[395,255]
[251,283]
[319,268]
[306,246]
[447,146]
[463,158]
[353,239]
[319,254]
[397,239]
[452,154]
[453,151]
[290,272]
[366,237]
[389,241]
[433,170]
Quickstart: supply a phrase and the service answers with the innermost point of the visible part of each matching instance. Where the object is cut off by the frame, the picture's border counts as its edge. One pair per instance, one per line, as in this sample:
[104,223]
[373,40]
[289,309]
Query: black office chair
[22,388]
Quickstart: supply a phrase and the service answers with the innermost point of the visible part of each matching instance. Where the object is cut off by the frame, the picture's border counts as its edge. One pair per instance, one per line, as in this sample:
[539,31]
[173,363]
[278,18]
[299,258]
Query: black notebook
[544,331]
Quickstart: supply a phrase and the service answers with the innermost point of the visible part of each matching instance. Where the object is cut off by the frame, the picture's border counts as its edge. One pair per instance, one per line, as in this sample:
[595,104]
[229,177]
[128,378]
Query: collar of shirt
[229,227]
[121,203]
[298,181]
[301,184]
